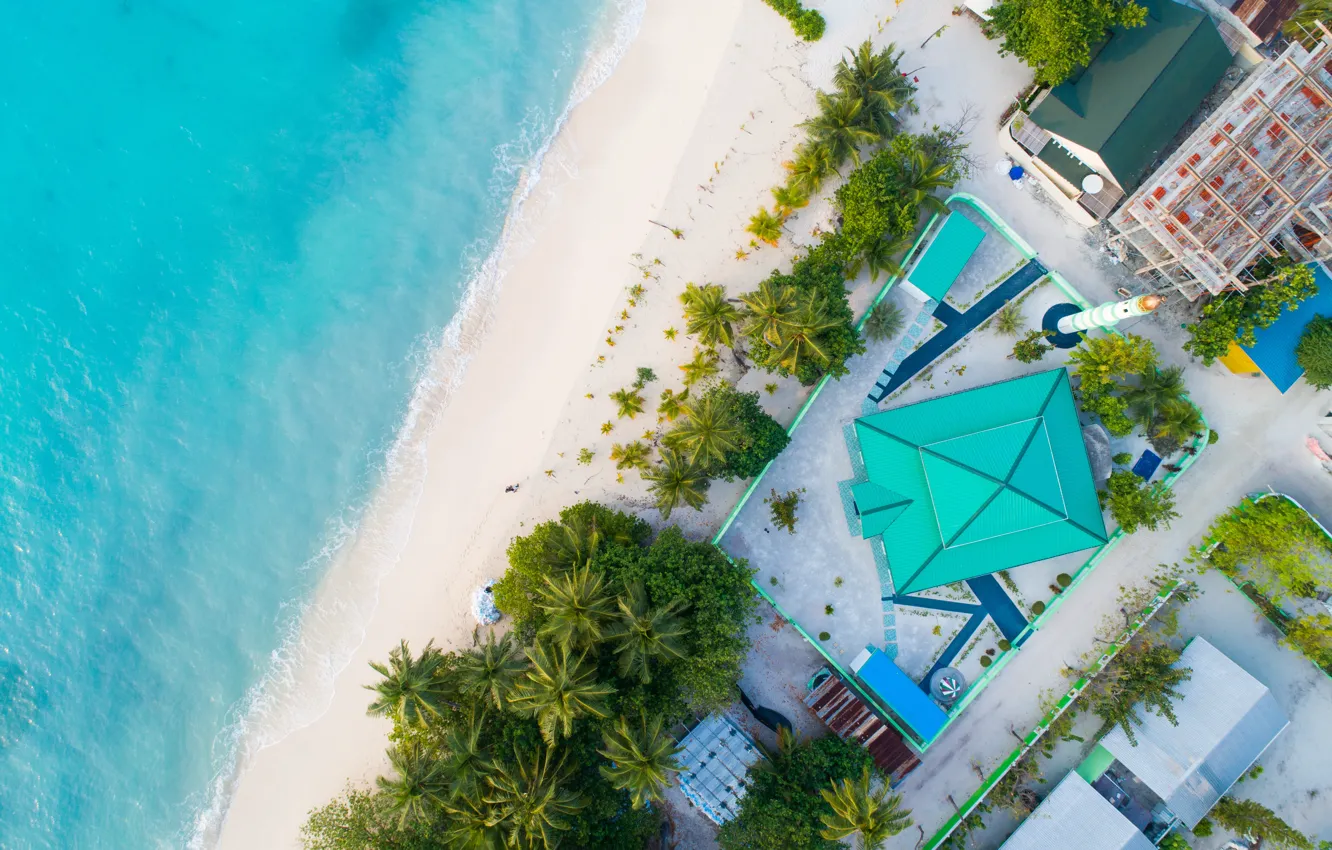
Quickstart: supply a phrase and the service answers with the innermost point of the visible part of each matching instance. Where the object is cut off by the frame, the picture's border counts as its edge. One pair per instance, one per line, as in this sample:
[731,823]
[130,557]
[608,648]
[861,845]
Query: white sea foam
[324,632]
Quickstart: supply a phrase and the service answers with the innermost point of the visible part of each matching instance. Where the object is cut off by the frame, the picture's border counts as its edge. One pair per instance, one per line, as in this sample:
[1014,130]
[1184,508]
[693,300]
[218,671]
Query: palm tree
[1302,25]
[885,322]
[1179,420]
[768,311]
[559,688]
[576,605]
[412,689]
[875,80]
[471,827]
[840,127]
[641,759]
[880,255]
[812,165]
[922,175]
[490,670]
[765,226]
[1009,321]
[672,404]
[465,762]
[628,403]
[876,815]
[789,198]
[528,801]
[800,339]
[642,633]
[710,430]
[1155,388]
[709,315]
[676,481]
[578,540]
[702,367]
[416,789]
[630,455]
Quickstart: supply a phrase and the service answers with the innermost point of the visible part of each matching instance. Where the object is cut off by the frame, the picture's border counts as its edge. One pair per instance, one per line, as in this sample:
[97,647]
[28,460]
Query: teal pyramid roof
[978,481]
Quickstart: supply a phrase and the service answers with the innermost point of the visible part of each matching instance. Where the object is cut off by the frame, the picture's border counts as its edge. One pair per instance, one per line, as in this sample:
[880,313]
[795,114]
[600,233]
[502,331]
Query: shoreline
[634,118]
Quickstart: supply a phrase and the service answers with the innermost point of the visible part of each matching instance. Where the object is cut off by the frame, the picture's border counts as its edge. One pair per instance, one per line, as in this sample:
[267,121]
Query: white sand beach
[690,130]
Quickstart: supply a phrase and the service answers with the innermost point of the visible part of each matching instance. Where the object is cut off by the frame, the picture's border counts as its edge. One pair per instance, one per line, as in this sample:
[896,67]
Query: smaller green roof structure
[978,481]
[1137,92]
[945,257]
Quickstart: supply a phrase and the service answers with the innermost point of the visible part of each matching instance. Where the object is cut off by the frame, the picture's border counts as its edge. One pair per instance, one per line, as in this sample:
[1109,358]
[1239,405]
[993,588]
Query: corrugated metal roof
[946,256]
[715,758]
[1074,815]
[1227,718]
[992,478]
[900,693]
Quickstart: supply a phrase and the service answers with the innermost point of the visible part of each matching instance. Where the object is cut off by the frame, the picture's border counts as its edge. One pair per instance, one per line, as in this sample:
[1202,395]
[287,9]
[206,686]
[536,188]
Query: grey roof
[1075,815]
[1227,718]
[714,759]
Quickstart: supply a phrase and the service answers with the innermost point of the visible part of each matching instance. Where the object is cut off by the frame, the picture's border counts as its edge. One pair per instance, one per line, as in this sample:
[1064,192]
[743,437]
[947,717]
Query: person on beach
[512,488]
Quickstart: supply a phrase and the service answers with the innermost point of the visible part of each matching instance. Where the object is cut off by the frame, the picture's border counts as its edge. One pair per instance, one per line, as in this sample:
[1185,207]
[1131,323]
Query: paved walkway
[1006,615]
[956,326]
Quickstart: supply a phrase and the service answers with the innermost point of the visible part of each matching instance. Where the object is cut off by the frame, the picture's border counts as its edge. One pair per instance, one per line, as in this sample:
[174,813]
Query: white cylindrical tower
[1109,314]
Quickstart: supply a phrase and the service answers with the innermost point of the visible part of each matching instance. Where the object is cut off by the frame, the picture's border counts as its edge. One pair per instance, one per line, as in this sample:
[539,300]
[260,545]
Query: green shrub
[1212,437]
[1203,829]
[1314,352]
[807,23]
[762,438]
[1123,458]
[824,635]
[1005,645]
[1064,579]
[1174,841]
[985,661]
[1038,608]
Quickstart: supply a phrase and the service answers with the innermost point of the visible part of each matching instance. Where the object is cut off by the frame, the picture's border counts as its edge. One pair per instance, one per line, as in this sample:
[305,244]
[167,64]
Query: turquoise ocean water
[230,234]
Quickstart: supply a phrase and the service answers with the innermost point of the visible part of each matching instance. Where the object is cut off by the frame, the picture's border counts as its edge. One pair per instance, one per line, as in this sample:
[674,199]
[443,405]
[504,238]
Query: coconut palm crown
[411,689]
[875,815]
[709,315]
[576,604]
[642,758]
[558,689]
[677,481]
[528,802]
[642,633]
[490,670]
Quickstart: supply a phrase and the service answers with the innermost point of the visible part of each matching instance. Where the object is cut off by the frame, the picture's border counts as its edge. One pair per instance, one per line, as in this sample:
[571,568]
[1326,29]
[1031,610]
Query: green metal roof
[946,256]
[978,481]
[1064,163]
[1138,91]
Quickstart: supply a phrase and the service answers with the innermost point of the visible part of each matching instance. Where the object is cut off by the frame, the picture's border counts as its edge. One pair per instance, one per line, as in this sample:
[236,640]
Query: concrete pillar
[1109,314]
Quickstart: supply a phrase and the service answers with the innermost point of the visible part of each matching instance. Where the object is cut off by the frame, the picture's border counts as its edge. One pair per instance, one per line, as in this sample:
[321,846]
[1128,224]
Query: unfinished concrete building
[1251,182]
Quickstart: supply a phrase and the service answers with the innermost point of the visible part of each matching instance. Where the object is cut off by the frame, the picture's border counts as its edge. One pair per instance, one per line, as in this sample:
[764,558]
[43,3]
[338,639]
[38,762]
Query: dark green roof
[978,481]
[1064,163]
[1139,89]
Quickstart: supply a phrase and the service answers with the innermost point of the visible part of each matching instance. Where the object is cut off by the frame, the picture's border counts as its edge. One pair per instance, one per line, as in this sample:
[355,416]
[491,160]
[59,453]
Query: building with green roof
[1118,114]
[978,481]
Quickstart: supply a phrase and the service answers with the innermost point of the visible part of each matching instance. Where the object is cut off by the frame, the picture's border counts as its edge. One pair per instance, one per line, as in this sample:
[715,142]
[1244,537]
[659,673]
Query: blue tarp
[903,696]
[1146,466]
[1274,351]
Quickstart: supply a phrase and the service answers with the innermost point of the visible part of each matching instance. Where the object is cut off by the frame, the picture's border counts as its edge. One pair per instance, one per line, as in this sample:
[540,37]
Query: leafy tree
[676,481]
[765,226]
[643,634]
[840,127]
[1143,676]
[883,196]
[782,807]
[1155,389]
[1009,320]
[1174,841]
[783,508]
[356,821]
[417,789]
[702,367]
[1314,352]
[809,25]
[813,164]
[582,531]
[1056,37]
[529,799]
[875,815]
[874,79]
[491,670]
[1099,364]
[628,403]
[1272,543]
[576,604]
[1254,820]
[642,758]
[709,430]
[1135,504]
[630,455]
[761,437]
[1032,347]
[885,322]
[787,199]
[557,690]
[412,688]
[1312,636]
[1234,316]
[718,601]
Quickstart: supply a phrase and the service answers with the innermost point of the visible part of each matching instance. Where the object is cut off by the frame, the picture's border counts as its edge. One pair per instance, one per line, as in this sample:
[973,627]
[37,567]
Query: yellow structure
[1238,361]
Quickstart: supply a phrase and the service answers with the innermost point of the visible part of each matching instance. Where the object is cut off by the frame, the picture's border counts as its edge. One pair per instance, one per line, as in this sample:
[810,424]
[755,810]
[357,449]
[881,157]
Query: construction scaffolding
[1251,182]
